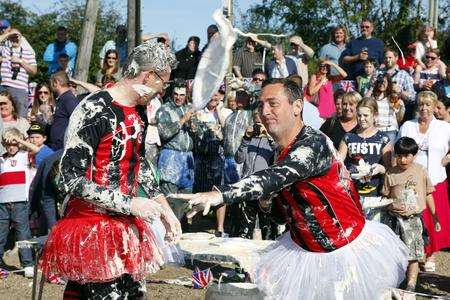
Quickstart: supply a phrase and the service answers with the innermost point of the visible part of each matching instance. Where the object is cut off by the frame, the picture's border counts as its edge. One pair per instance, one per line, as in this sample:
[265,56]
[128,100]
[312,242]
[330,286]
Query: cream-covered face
[179,96]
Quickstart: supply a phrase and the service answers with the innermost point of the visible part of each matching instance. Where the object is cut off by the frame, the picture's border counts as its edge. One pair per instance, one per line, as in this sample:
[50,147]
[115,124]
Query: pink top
[326,101]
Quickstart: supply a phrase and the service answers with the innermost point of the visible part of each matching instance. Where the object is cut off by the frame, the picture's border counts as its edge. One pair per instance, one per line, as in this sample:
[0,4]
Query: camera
[15,71]
[256,129]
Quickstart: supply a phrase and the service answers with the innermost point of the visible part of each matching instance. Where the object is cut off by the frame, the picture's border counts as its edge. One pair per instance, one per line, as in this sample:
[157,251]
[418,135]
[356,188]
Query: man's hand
[145,208]
[16,60]
[201,201]
[249,132]
[363,55]
[187,116]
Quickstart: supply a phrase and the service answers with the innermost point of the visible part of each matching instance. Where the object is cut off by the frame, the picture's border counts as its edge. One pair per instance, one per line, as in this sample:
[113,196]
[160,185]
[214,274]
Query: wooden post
[131,22]
[87,39]
[138,23]
[229,74]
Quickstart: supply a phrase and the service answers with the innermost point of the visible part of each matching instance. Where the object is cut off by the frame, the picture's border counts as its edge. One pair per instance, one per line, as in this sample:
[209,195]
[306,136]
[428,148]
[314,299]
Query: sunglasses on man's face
[258,79]
[365,27]
[3,103]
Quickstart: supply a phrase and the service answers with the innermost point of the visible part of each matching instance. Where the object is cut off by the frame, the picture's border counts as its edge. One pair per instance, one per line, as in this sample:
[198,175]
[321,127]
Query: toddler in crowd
[409,186]
[366,81]
[14,186]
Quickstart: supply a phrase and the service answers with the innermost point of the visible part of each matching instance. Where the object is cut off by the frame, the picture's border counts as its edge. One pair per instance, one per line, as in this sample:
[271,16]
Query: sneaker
[28,272]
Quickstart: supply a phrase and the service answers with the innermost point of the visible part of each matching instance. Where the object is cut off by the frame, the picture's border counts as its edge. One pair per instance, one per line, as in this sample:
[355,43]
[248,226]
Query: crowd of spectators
[362,95]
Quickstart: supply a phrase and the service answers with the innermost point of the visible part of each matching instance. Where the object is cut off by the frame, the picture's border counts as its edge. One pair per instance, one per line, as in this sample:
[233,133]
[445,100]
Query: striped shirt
[247,61]
[386,119]
[14,178]
[21,82]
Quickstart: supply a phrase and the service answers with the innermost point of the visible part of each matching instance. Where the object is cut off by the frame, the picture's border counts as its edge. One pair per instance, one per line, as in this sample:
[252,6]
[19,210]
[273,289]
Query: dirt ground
[18,287]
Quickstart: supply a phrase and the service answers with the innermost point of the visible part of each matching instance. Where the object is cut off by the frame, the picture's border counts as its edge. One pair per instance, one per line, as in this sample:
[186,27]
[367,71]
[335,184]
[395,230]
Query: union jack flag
[347,85]
[3,273]
[201,278]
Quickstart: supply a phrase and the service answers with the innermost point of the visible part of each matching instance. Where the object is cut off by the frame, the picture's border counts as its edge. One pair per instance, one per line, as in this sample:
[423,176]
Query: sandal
[430,266]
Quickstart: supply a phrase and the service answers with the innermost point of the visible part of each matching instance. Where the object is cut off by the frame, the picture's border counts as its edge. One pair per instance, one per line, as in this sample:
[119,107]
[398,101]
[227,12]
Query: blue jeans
[17,213]
[231,174]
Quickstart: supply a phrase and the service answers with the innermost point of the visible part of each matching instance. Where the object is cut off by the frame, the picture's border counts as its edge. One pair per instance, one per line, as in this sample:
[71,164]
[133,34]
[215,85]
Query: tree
[39,29]
[313,19]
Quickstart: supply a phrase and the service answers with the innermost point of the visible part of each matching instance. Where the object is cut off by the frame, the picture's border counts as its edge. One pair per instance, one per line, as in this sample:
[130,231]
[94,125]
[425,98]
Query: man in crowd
[301,53]
[403,83]
[17,63]
[280,66]
[176,161]
[65,104]
[119,43]
[60,45]
[246,60]
[188,59]
[359,50]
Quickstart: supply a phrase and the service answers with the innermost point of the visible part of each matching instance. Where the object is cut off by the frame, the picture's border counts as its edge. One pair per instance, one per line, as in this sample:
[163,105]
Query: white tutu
[172,255]
[364,269]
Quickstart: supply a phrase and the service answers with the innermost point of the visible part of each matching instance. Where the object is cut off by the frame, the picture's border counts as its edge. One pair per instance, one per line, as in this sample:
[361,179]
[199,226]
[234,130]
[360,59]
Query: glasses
[3,103]
[111,57]
[258,79]
[431,57]
[43,93]
[322,66]
[365,27]
[166,84]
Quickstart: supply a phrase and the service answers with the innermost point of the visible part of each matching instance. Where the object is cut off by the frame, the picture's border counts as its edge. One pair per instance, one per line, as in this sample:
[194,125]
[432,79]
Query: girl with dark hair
[43,105]
[110,67]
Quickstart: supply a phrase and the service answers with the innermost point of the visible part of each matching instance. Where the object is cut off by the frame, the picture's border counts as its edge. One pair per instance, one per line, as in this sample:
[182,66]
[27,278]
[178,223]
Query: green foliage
[314,19]
[39,29]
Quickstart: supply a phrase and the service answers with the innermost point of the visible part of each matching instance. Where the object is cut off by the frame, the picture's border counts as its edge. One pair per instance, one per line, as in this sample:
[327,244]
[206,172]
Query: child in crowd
[14,186]
[367,154]
[409,186]
[63,63]
[366,81]
[35,145]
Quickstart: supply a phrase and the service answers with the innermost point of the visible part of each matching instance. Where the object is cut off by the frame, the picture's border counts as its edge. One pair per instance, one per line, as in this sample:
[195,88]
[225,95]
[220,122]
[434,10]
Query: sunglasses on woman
[112,57]
[43,92]
[431,57]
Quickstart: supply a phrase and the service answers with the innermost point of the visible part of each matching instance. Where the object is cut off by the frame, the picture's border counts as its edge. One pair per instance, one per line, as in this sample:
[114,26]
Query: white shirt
[311,115]
[434,144]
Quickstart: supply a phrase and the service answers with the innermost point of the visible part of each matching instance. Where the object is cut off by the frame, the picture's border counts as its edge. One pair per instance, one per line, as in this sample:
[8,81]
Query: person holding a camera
[256,153]
[16,65]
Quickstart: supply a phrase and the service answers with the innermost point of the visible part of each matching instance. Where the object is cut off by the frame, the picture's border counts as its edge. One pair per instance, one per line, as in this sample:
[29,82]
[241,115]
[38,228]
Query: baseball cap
[295,40]
[36,127]
[4,24]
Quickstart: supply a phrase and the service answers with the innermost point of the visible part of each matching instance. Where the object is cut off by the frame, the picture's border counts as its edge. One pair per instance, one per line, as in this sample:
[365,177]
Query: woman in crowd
[336,127]
[110,67]
[43,105]
[433,138]
[333,50]
[9,114]
[320,87]
[367,154]
[433,71]
[391,108]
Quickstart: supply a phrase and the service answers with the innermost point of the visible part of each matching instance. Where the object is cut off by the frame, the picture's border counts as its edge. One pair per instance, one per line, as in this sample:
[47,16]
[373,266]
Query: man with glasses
[358,50]
[176,161]
[102,245]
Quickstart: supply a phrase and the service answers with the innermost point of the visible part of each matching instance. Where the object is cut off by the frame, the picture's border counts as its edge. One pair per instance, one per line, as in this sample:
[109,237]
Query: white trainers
[28,272]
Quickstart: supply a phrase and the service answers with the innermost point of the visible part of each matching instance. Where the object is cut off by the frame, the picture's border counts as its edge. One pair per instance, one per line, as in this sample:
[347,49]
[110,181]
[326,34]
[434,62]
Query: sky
[179,18]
